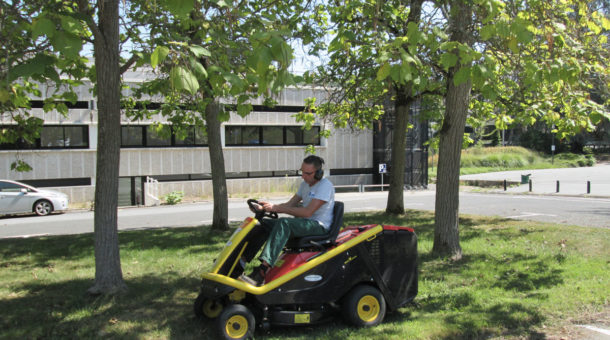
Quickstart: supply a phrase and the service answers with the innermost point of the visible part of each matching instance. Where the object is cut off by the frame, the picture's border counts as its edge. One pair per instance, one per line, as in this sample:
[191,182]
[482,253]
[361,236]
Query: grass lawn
[520,280]
[477,160]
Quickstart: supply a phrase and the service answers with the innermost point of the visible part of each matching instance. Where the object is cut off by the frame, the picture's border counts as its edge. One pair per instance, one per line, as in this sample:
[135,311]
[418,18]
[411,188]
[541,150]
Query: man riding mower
[361,271]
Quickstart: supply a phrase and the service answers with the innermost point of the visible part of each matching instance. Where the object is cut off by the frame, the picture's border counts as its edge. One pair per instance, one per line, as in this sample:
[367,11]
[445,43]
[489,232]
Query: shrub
[174,197]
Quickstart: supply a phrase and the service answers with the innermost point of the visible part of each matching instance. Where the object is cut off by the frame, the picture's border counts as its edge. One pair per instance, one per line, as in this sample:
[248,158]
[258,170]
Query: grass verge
[517,280]
[480,160]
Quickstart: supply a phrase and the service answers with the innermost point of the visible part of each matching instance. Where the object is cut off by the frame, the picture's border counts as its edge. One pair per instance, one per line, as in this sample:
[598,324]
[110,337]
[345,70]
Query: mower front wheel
[364,306]
[207,307]
[236,322]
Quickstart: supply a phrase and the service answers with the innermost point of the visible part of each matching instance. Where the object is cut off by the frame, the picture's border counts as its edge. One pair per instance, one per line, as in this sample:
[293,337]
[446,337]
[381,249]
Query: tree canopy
[523,61]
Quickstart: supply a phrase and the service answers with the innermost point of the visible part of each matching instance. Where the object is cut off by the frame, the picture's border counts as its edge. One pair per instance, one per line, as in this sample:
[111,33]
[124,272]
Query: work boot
[257,278]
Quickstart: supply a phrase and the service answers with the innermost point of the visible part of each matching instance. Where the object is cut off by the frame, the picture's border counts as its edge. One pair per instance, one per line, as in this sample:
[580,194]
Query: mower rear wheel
[235,322]
[207,307]
[364,306]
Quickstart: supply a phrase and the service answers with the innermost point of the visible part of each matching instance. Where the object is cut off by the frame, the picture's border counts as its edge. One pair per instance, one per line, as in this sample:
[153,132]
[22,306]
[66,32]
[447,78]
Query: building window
[54,137]
[248,135]
[273,135]
[134,136]
[191,136]
[158,136]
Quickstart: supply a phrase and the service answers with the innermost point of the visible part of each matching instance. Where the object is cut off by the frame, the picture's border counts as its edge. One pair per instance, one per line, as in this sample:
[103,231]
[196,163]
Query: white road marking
[372,209]
[529,214]
[596,329]
[26,236]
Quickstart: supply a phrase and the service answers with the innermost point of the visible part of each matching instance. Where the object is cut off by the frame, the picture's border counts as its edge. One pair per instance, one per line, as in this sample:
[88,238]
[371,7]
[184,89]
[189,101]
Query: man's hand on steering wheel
[258,209]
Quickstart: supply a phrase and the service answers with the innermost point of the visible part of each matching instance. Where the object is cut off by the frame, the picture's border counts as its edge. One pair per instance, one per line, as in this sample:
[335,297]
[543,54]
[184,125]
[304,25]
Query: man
[313,217]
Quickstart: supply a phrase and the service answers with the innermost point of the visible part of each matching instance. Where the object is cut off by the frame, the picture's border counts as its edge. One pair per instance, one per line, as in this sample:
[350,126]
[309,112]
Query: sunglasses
[301,172]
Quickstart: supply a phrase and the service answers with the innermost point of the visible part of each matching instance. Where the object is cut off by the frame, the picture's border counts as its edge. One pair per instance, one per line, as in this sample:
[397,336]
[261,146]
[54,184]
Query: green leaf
[69,45]
[264,60]
[158,56]
[4,95]
[233,79]
[42,26]
[181,8]
[461,76]
[405,73]
[594,27]
[513,45]
[413,33]
[183,79]
[21,166]
[197,68]
[448,60]
[384,71]
[222,3]
[244,109]
[36,66]
[200,51]
[71,25]
[487,32]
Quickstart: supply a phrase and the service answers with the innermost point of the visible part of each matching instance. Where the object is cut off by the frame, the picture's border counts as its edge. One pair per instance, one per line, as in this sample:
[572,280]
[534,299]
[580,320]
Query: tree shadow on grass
[42,251]
[464,303]
[154,307]
[515,319]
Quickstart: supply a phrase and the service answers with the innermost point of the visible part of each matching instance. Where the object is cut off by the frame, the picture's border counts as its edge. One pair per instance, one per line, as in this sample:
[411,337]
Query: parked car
[18,198]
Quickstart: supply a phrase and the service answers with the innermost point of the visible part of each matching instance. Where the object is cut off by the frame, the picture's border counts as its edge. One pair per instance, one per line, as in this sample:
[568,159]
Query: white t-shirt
[324,191]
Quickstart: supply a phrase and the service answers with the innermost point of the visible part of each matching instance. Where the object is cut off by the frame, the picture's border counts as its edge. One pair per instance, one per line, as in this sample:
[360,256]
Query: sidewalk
[572,181]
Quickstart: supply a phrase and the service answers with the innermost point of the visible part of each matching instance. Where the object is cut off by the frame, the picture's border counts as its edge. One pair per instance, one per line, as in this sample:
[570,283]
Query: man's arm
[293,209]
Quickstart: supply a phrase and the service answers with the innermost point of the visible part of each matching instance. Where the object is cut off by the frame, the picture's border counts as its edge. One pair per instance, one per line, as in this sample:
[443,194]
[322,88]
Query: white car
[18,198]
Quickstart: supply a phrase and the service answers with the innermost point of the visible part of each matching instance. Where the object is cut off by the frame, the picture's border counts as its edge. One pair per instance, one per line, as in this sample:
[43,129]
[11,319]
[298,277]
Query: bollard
[504,185]
[530,185]
[588,187]
[557,186]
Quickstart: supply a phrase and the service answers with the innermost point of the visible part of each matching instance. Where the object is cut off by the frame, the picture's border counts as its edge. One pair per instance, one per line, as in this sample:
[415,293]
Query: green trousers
[285,228]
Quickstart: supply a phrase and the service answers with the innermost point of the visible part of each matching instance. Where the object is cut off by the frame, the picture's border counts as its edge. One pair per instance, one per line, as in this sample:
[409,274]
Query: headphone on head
[319,174]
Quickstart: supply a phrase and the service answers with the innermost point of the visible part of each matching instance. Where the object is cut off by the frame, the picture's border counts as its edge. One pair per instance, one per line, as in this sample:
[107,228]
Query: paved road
[594,212]
[572,181]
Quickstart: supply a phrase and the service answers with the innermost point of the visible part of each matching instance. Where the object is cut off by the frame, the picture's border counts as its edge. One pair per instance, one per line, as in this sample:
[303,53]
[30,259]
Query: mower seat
[321,241]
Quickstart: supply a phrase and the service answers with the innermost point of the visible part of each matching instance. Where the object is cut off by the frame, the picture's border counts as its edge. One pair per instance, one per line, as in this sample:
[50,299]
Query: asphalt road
[578,211]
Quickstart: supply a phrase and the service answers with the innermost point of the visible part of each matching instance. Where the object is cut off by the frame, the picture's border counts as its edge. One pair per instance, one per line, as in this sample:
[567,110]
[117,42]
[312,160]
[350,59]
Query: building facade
[262,151]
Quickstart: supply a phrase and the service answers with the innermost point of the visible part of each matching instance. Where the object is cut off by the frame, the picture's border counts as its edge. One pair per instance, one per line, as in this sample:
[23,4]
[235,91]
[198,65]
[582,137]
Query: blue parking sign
[383,168]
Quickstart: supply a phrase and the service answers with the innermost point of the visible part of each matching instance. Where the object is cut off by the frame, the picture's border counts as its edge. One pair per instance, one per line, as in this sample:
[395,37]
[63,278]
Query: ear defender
[319,172]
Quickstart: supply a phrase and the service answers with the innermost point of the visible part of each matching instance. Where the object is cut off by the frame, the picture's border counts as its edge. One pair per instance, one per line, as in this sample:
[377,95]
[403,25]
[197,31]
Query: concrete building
[262,152]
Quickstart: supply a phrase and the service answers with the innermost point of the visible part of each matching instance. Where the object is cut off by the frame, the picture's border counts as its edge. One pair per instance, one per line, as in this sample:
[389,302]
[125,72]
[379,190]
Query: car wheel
[235,322]
[364,306]
[43,207]
[207,307]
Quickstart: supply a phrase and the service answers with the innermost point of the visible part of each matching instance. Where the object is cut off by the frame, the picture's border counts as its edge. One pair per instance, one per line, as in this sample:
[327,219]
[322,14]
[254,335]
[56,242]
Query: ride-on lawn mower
[359,270]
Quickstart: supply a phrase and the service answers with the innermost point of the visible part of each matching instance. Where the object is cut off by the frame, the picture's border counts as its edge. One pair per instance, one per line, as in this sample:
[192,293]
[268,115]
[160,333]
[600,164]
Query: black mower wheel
[208,308]
[235,322]
[364,306]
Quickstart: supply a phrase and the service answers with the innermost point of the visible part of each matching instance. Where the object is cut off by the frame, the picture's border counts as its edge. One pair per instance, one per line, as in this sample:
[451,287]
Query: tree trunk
[220,219]
[396,204]
[446,218]
[108,274]
[404,98]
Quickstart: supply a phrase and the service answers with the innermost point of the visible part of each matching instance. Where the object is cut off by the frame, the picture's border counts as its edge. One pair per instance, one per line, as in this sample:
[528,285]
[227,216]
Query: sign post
[383,169]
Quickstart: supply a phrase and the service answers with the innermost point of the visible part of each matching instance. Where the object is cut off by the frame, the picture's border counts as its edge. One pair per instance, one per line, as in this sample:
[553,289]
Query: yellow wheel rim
[368,308]
[236,327]
[211,309]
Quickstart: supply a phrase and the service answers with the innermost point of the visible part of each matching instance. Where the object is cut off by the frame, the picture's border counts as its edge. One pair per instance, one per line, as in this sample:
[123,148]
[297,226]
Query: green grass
[479,160]
[516,280]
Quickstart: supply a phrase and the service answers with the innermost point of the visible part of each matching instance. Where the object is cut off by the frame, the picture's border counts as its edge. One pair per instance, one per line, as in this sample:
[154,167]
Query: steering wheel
[258,210]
